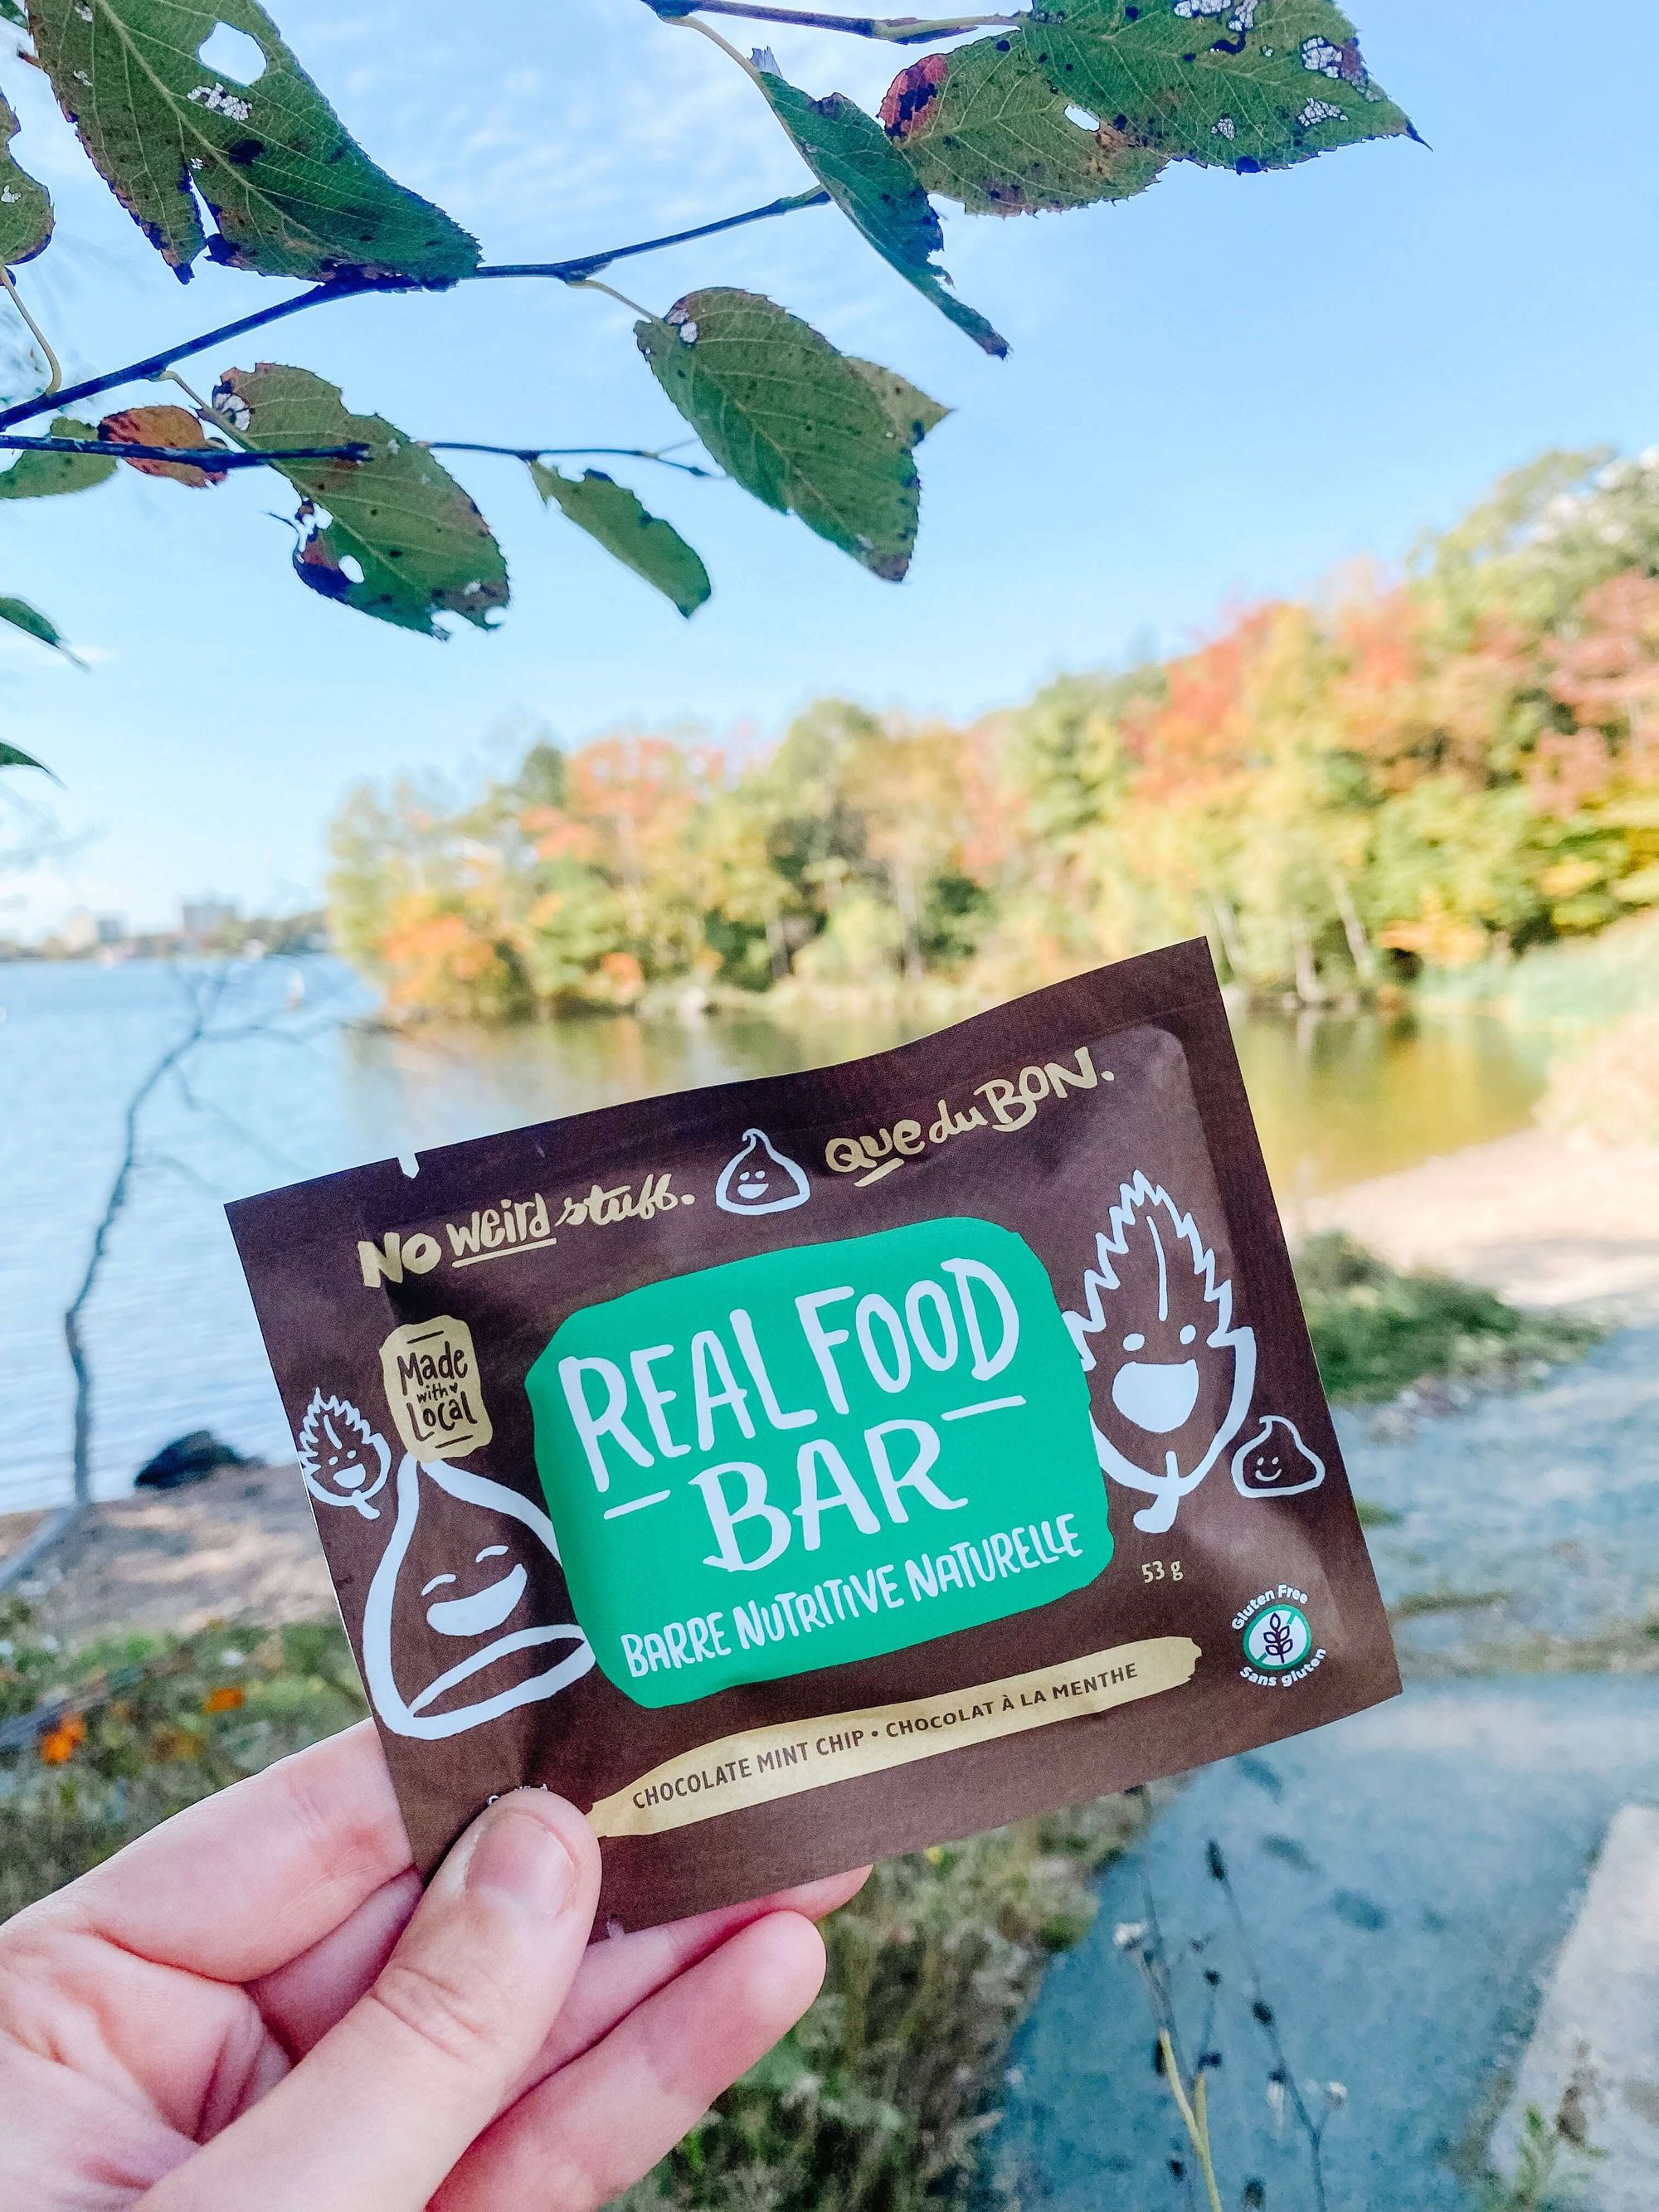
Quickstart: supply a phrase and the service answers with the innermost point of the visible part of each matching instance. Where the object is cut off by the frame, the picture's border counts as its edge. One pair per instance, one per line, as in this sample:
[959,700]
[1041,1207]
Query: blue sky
[1226,388]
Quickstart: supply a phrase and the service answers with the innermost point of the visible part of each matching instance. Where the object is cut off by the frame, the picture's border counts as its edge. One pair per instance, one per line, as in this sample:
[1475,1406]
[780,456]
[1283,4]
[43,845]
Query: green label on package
[816,1456]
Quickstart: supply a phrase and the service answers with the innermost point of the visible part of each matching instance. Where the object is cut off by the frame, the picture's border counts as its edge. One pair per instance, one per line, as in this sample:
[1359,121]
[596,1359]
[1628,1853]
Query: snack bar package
[803,1470]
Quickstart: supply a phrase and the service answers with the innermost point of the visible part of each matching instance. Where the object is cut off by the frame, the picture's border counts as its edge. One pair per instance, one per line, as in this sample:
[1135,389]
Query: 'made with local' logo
[818,1455]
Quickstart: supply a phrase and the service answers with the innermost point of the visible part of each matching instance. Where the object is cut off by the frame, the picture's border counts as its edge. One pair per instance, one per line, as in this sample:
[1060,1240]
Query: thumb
[383,2106]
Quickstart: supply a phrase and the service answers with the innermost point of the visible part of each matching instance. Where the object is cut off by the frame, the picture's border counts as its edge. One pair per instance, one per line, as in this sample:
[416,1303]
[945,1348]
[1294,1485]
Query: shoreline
[1543,1219]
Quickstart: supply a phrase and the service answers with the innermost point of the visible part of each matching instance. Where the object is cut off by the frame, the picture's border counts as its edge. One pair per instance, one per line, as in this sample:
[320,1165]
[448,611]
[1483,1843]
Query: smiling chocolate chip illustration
[1275,1462]
[451,1636]
[759,1179]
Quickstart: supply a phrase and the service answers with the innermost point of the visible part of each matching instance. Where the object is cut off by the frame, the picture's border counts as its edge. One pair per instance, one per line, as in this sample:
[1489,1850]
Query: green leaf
[45,475]
[22,615]
[420,545]
[983,126]
[15,756]
[810,431]
[292,192]
[11,12]
[608,512]
[870,182]
[1238,84]
[25,206]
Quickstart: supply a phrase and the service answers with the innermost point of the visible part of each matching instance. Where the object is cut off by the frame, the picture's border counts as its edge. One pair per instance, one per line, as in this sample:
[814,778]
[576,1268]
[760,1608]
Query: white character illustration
[1157,1319]
[759,1179]
[1275,1462]
[336,1447]
[427,1635]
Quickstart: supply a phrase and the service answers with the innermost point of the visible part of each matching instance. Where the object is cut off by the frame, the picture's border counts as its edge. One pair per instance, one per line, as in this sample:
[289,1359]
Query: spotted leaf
[252,140]
[611,513]
[811,431]
[983,126]
[163,426]
[1239,84]
[394,535]
[872,184]
[25,206]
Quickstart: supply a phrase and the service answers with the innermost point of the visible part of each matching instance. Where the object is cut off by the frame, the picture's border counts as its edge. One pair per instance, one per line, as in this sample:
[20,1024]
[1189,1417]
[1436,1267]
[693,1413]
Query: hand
[255,2007]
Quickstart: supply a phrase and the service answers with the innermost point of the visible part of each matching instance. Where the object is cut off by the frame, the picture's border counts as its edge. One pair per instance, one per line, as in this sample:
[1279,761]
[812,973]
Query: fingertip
[531,1849]
[788,1964]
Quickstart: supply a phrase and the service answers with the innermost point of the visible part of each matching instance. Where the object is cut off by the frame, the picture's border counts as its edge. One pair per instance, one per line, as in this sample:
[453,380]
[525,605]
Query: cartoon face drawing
[343,1460]
[1275,1462]
[760,1179]
[450,1614]
[1157,1321]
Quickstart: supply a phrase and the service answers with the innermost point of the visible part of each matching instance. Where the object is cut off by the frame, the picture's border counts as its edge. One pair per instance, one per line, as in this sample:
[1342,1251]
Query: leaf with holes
[608,512]
[1238,84]
[46,476]
[402,540]
[870,181]
[292,192]
[20,615]
[163,426]
[25,206]
[810,431]
[983,126]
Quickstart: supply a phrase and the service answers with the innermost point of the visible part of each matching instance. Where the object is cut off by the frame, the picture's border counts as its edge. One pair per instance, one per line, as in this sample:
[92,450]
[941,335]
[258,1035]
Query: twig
[568,272]
[566,452]
[593,285]
[1194,2116]
[572,272]
[890,30]
[1267,2021]
[214,457]
[54,366]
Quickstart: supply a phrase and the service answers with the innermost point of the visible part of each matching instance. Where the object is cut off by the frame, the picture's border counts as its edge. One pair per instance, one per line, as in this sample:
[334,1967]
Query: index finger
[235,1886]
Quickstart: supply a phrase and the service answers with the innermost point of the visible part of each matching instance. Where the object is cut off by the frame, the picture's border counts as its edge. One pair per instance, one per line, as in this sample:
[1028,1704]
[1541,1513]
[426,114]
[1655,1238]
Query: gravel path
[1543,1503]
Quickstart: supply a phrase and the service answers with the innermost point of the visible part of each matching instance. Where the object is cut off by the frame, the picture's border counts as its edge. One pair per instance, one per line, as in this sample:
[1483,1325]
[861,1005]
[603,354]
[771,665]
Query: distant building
[84,931]
[203,921]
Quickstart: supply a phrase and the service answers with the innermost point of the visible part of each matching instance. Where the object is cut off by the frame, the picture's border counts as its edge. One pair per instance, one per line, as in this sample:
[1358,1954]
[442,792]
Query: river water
[317,1087]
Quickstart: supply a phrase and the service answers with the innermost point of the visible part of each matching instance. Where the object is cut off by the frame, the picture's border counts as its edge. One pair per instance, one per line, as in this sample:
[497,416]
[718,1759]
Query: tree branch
[568,272]
[566,452]
[891,30]
[573,272]
[206,457]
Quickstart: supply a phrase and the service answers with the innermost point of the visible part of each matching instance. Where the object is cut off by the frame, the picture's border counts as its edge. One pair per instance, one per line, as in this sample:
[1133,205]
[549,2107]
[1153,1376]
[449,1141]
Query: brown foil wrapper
[402,1314]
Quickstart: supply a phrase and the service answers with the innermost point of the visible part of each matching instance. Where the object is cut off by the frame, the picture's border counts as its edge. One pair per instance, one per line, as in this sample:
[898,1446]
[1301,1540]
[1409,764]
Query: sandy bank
[1544,1220]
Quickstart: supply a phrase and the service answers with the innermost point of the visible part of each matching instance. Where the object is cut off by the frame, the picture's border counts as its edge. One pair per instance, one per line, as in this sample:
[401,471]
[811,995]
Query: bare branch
[573,272]
[568,272]
[890,30]
[206,457]
[568,453]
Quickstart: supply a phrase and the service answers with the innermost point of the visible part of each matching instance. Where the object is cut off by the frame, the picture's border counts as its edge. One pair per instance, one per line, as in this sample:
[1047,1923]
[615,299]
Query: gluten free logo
[1278,1638]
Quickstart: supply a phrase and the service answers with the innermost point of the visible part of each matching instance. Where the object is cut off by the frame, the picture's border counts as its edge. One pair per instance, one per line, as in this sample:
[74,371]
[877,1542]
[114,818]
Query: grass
[1373,1516]
[148,1726]
[1420,1605]
[1376,1331]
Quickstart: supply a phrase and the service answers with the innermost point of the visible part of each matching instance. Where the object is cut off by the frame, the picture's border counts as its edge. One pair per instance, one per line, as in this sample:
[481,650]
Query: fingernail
[518,1858]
